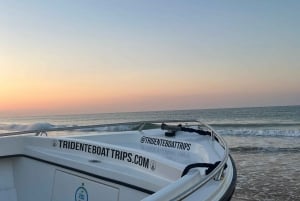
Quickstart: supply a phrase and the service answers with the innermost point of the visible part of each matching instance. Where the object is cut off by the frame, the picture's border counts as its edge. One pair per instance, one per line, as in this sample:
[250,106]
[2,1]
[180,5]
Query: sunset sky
[66,57]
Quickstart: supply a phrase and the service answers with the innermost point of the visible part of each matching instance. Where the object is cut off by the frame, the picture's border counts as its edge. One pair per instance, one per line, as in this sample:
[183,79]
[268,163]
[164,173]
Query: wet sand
[267,176]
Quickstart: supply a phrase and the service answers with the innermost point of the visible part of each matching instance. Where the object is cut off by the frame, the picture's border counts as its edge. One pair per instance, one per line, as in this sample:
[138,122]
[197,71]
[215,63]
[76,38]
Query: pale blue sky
[142,55]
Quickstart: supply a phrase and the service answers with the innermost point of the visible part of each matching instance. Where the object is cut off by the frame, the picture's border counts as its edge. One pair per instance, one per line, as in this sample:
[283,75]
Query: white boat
[166,161]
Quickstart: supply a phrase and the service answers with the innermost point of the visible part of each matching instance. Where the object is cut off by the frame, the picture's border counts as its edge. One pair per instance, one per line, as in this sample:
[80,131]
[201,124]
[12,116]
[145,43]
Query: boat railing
[64,128]
[193,181]
[140,126]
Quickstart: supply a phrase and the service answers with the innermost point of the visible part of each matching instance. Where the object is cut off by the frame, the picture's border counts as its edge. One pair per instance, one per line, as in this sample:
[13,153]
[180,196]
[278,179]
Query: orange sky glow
[108,57]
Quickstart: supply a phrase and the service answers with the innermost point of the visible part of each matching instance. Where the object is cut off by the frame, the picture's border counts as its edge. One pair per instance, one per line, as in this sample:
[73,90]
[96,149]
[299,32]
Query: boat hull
[116,166]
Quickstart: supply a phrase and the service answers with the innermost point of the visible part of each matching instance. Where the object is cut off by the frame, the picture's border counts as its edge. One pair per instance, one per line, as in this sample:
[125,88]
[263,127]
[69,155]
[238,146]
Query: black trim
[83,172]
[210,167]
[185,129]
[230,191]
[171,130]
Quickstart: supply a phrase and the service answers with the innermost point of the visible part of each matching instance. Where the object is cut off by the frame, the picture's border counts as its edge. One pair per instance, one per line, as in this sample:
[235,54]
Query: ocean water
[264,142]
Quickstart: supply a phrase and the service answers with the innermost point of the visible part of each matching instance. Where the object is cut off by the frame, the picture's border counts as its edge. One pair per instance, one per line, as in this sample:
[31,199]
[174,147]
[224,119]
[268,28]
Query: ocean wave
[255,125]
[110,128]
[47,126]
[224,130]
[278,132]
[26,127]
[250,149]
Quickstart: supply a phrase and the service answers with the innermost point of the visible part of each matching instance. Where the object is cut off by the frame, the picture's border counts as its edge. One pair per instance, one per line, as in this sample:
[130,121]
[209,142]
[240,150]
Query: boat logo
[152,165]
[55,143]
[81,194]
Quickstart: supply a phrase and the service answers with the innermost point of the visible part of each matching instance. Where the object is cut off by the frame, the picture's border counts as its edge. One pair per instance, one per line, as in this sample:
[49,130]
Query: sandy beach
[268,177]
